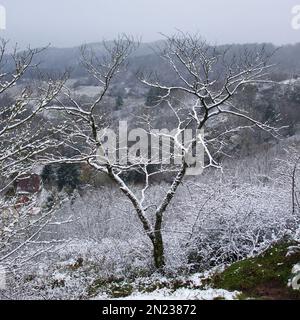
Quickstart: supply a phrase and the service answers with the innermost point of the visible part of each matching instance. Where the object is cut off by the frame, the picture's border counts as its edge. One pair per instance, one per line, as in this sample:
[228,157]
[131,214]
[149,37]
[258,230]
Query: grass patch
[265,276]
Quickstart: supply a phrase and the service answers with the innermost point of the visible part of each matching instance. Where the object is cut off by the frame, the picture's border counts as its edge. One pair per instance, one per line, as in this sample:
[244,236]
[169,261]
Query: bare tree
[295,191]
[206,79]
[23,135]
[288,171]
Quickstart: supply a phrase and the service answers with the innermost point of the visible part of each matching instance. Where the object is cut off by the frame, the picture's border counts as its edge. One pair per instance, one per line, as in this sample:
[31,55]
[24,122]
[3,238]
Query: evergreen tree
[48,175]
[68,176]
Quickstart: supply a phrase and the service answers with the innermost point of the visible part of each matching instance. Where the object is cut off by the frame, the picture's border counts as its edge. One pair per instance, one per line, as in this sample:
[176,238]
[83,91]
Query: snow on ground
[180,294]
[193,289]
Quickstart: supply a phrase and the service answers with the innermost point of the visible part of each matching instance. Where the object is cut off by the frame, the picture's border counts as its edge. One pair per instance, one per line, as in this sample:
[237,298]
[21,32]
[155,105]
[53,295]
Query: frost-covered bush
[68,270]
[206,225]
[238,223]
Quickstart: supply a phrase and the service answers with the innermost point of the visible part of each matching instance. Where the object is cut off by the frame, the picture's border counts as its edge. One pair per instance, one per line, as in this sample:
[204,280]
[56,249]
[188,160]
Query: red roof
[29,184]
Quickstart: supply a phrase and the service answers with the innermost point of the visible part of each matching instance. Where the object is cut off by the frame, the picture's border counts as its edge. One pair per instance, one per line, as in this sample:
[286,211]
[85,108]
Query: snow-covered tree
[23,136]
[206,80]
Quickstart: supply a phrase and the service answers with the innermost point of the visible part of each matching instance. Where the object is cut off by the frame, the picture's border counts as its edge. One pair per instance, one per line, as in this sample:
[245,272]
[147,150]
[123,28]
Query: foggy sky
[67,23]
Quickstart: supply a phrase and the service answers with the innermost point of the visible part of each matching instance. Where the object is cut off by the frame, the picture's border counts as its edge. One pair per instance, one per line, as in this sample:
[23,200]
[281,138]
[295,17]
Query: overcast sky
[66,23]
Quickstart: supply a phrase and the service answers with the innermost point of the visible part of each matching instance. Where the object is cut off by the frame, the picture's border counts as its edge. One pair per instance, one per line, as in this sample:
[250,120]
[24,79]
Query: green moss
[114,287]
[219,298]
[264,276]
[121,290]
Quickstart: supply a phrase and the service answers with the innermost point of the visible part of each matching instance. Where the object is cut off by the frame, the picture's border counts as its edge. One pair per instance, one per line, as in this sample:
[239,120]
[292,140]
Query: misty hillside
[286,57]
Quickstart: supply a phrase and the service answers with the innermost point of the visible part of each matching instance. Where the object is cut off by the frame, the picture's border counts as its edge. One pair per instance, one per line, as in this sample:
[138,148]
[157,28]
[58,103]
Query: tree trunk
[158,251]
[158,244]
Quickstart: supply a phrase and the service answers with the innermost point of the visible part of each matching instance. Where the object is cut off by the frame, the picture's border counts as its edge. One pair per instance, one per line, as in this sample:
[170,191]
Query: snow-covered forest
[75,224]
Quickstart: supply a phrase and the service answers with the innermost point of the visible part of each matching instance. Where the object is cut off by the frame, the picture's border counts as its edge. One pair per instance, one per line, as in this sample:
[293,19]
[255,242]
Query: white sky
[66,23]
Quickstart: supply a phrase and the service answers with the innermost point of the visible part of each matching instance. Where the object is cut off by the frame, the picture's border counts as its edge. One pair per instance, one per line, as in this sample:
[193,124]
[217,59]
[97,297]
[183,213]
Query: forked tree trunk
[158,244]
[156,234]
